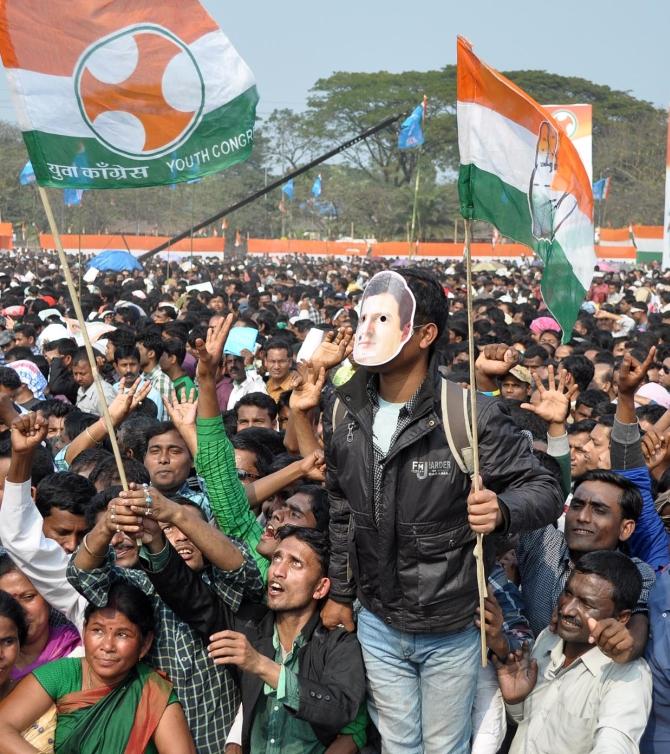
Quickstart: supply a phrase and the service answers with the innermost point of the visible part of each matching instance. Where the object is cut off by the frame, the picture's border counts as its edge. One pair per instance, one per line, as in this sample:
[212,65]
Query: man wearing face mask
[404,518]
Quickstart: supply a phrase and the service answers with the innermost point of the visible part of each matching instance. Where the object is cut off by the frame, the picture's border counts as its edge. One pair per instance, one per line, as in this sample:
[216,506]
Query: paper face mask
[386,320]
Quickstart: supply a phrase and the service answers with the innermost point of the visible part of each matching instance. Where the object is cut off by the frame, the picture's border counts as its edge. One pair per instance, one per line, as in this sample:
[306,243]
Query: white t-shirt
[385,423]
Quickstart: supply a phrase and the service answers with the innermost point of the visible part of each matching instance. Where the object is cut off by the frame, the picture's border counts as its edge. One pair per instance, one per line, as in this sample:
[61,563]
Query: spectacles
[243,475]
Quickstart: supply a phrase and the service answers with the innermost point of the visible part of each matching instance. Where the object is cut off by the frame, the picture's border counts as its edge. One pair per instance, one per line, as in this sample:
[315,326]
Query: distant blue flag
[27,175]
[316,187]
[601,189]
[72,197]
[411,131]
[288,189]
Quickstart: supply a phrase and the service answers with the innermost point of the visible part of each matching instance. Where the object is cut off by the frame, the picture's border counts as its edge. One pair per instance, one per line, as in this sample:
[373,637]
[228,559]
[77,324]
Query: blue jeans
[421,687]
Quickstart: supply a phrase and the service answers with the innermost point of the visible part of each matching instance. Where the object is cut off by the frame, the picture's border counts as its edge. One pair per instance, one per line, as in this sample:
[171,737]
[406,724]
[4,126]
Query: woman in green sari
[107,701]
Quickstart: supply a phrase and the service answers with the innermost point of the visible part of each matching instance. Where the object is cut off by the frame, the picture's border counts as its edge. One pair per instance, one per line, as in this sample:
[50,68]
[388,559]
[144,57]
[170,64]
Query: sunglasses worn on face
[243,475]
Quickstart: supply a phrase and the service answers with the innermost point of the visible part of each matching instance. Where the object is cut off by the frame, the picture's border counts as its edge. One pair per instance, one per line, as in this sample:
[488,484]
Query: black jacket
[331,674]
[416,570]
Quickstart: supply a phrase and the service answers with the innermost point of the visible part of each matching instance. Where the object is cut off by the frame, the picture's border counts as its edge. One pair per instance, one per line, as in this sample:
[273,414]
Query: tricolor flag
[148,93]
[520,172]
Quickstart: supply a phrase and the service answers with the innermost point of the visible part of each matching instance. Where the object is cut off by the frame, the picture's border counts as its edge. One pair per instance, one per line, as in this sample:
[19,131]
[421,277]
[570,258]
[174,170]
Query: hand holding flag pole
[84,334]
[476,481]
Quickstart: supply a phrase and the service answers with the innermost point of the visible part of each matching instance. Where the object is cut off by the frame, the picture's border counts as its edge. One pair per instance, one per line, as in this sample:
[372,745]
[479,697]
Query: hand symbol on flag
[548,209]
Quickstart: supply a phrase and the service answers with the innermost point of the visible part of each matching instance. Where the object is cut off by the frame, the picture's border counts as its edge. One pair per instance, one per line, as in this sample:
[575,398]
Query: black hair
[260,400]
[132,435]
[12,610]
[652,412]
[77,422]
[89,459]
[126,351]
[99,504]
[581,369]
[42,465]
[616,568]
[432,304]
[152,342]
[106,472]
[591,398]
[79,356]
[176,330]
[9,378]
[536,350]
[630,500]
[586,425]
[130,601]
[246,440]
[280,343]
[64,346]
[20,353]
[64,490]
[175,347]
[320,504]
[160,428]
[54,407]
[28,330]
[268,438]
[315,539]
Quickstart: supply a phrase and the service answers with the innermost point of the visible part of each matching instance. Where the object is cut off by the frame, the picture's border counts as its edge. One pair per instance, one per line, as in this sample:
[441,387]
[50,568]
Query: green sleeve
[60,677]
[357,728]
[566,475]
[215,463]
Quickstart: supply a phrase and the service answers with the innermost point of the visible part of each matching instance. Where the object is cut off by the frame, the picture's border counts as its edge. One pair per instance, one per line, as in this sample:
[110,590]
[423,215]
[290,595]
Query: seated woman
[50,635]
[108,701]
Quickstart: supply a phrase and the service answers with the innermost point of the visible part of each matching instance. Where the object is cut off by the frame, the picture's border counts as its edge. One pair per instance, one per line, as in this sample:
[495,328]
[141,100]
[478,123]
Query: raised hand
[306,386]
[233,648]
[612,638]
[210,350]
[555,399]
[632,372]
[127,399]
[313,466]
[496,359]
[334,348]
[517,676]
[493,625]
[655,448]
[183,409]
[28,431]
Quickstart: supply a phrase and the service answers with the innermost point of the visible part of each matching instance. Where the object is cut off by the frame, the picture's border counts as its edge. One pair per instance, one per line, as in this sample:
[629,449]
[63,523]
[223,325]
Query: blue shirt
[656,739]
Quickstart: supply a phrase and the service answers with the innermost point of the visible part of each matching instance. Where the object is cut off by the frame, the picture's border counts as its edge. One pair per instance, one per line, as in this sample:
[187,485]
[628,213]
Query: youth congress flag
[520,172]
[122,94]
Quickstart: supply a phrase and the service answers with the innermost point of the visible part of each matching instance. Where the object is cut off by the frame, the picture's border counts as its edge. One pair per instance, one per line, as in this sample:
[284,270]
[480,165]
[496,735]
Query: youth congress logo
[140,91]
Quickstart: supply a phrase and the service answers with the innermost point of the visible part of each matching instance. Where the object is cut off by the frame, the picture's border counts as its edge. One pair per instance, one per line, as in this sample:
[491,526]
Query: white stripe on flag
[225,74]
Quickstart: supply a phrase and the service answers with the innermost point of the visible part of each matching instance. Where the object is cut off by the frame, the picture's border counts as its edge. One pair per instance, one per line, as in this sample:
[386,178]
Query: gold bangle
[88,550]
[88,432]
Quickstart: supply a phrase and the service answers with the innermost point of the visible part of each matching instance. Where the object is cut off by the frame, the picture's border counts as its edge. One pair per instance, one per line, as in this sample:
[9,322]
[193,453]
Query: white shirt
[42,560]
[594,706]
[87,400]
[253,383]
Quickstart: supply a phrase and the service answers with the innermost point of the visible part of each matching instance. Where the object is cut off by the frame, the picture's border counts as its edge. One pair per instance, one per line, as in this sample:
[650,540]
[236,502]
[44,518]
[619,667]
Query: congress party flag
[144,93]
[288,189]
[316,187]
[601,189]
[520,172]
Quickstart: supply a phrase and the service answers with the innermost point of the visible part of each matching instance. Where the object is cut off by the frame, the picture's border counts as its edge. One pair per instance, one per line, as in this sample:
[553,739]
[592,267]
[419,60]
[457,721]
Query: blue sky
[289,45]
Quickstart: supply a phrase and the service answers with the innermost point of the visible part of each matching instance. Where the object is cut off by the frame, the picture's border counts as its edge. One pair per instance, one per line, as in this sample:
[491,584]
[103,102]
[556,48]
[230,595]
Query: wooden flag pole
[84,333]
[479,547]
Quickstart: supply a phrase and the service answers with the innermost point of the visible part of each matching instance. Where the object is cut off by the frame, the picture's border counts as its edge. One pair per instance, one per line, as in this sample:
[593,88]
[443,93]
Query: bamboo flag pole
[84,333]
[479,547]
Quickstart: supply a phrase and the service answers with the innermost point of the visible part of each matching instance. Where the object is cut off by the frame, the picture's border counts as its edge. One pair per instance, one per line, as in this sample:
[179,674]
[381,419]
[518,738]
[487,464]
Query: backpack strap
[456,420]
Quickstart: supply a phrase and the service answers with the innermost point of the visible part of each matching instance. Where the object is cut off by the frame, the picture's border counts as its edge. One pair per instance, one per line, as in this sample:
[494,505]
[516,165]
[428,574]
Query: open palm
[555,399]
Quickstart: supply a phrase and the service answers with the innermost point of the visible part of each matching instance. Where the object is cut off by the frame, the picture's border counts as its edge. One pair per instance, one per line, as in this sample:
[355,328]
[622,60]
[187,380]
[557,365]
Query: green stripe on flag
[484,196]
[223,138]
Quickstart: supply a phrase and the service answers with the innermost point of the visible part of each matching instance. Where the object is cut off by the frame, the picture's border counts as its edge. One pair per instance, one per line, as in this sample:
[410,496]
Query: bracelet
[88,550]
[88,432]
[491,393]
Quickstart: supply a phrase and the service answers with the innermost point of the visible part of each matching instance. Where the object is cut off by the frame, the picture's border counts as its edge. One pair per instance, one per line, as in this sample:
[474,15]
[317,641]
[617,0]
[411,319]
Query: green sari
[113,720]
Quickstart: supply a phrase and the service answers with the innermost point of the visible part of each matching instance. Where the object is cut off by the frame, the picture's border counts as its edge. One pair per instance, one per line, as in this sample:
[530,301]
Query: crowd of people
[282,561]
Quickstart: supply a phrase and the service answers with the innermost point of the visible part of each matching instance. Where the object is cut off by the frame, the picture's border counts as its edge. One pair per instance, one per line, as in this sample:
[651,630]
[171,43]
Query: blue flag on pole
[27,175]
[601,189]
[411,131]
[316,187]
[288,189]
[72,197]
